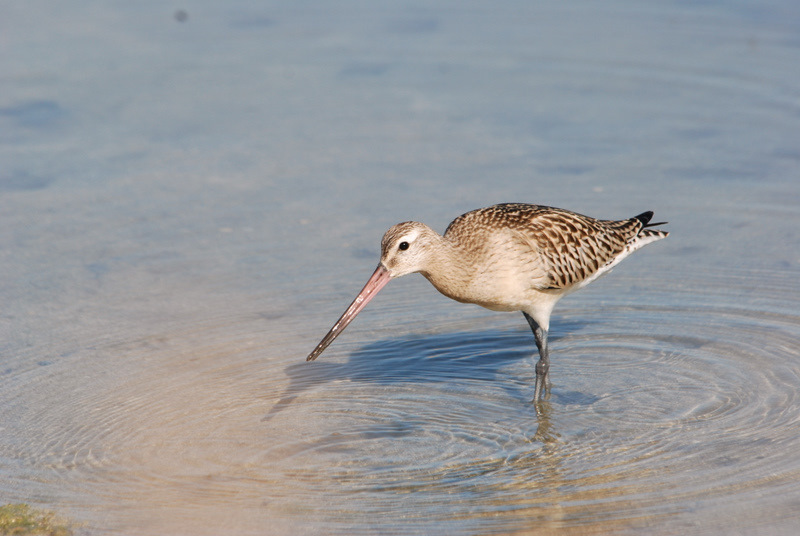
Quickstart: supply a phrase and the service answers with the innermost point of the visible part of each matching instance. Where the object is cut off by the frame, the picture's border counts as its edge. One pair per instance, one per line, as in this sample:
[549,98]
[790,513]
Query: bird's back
[562,250]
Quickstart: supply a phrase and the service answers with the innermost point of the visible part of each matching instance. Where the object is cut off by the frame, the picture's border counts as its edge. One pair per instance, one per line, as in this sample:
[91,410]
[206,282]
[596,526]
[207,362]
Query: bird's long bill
[377,281]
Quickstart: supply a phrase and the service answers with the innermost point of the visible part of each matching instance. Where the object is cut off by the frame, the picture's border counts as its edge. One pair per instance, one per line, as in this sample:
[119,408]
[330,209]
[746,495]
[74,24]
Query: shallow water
[186,207]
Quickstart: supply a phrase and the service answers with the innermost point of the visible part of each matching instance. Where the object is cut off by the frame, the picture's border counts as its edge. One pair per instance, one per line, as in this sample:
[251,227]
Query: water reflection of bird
[508,257]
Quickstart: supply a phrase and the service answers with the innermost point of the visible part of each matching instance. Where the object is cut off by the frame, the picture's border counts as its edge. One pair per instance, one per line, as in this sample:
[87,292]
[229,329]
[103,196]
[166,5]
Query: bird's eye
[403,246]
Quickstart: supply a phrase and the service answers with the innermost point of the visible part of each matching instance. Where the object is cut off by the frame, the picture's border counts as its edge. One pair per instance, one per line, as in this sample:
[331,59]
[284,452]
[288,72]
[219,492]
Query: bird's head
[406,248]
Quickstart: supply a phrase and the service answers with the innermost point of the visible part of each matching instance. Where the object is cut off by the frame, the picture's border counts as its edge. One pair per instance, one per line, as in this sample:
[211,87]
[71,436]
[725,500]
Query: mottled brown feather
[571,247]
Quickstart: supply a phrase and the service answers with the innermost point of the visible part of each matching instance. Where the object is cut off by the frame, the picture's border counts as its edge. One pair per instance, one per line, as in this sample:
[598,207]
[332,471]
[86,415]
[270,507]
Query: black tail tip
[645,218]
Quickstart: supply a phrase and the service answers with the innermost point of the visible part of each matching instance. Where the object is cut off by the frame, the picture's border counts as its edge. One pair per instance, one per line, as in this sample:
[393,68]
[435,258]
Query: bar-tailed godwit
[508,257]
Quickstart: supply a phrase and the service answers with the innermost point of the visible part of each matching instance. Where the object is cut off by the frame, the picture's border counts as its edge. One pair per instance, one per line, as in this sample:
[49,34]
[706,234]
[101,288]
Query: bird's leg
[543,365]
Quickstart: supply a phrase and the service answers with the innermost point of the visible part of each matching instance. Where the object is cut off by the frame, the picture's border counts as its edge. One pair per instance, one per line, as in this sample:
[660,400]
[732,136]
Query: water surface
[188,202]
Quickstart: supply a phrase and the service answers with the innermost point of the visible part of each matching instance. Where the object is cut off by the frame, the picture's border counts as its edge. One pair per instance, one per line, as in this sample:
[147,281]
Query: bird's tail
[645,218]
[645,235]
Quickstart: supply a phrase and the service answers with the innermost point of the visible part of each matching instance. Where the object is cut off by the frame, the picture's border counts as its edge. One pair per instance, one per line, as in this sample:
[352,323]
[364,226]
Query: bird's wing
[571,247]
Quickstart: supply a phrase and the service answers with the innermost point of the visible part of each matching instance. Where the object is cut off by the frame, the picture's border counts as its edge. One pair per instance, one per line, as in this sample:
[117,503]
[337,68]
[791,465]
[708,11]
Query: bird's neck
[446,270]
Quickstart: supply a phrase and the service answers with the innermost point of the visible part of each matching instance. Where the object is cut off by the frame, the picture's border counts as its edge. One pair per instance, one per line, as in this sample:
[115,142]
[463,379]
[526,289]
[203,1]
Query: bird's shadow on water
[429,358]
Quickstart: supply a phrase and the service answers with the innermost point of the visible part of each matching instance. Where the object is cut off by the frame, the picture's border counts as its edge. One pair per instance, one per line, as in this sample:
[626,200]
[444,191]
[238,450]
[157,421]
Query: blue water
[190,195]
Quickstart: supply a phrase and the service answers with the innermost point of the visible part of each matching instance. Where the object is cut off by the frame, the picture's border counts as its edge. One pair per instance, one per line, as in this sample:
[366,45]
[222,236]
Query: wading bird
[507,257]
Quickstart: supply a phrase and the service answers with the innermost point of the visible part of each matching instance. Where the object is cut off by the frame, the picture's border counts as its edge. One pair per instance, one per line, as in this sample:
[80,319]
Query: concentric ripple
[654,410]
[643,424]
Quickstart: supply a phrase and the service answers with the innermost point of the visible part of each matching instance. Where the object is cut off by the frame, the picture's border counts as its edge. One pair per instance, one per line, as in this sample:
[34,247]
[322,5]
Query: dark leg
[543,365]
